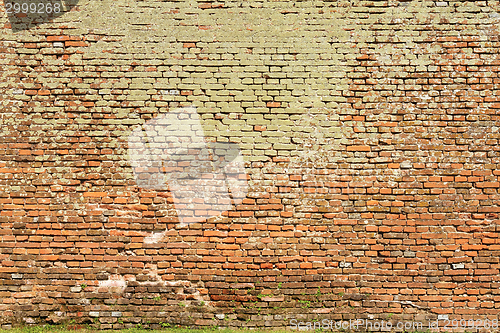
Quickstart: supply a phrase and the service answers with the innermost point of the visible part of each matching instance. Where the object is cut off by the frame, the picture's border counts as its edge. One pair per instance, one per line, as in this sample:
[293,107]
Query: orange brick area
[370,134]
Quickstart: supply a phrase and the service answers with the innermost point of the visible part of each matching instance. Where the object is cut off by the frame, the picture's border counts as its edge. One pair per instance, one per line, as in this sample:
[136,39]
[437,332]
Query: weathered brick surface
[370,135]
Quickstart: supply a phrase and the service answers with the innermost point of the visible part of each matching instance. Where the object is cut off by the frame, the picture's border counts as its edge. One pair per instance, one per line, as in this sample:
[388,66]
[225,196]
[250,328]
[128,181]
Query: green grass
[63,329]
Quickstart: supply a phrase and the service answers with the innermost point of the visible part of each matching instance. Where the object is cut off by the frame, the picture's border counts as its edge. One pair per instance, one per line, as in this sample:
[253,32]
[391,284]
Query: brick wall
[369,135]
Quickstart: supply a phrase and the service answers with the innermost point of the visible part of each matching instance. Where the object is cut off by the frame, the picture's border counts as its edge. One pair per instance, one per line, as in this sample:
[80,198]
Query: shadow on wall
[26,14]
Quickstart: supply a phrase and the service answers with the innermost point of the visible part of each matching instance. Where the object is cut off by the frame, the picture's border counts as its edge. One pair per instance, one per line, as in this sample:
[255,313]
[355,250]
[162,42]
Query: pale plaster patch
[154,238]
[115,284]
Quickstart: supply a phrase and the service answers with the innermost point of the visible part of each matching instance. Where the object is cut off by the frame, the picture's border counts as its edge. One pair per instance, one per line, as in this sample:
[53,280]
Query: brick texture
[370,136]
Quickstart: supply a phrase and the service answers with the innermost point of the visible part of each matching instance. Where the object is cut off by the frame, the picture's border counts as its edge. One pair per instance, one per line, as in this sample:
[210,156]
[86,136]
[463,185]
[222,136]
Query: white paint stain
[115,284]
[154,238]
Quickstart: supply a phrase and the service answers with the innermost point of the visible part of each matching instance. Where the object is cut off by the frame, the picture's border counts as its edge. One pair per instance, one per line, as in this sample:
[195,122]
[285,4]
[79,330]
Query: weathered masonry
[367,134]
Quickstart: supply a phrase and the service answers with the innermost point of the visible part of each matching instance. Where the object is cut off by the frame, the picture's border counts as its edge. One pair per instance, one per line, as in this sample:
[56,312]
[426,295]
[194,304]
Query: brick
[273,104]
[358,148]
[57,38]
[75,44]
[95,194]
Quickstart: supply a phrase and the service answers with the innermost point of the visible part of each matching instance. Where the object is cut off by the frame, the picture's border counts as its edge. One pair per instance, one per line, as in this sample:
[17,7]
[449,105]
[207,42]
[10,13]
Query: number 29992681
[32,8]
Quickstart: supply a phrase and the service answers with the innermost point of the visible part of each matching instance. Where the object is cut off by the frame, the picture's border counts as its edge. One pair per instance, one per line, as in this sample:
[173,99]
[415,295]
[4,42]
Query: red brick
[57,38]
[358,148]
[273,104]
